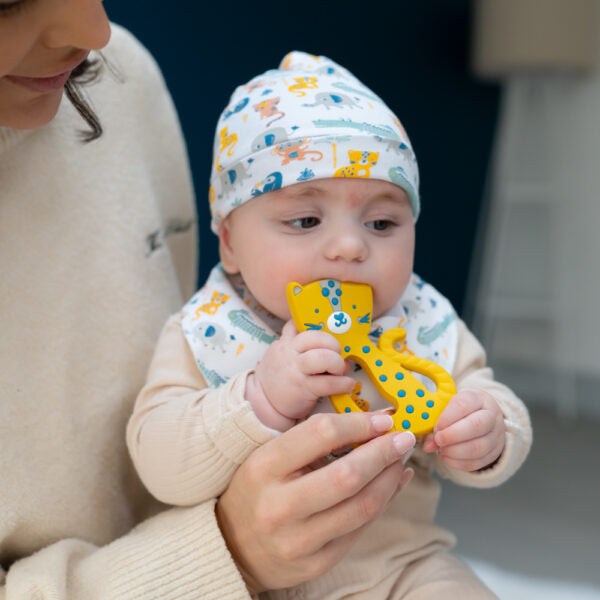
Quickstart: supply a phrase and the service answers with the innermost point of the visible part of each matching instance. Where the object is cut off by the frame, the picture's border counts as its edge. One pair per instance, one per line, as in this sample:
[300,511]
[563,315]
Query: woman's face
[41,42]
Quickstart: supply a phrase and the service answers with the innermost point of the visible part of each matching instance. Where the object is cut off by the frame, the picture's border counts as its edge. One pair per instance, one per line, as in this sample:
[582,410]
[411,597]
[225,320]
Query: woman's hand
[470,432]
[285,522]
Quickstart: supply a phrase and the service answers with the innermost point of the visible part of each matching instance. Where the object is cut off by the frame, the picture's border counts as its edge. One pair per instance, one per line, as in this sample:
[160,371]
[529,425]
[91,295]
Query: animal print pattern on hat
[309,119]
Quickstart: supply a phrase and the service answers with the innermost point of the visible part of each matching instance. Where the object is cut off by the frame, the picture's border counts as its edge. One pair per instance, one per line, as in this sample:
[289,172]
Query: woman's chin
[32,113]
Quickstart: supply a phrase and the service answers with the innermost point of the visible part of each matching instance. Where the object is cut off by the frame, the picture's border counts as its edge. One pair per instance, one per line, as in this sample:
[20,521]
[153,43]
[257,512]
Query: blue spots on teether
[344,310]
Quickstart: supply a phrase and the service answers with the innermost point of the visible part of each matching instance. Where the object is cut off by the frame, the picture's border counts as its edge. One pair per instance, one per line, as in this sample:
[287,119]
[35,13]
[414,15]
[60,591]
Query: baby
[313,178]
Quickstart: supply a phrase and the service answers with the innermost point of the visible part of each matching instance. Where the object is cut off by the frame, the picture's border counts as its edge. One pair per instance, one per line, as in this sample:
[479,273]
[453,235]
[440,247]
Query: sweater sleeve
[470,371]
[187,440]
[176,555]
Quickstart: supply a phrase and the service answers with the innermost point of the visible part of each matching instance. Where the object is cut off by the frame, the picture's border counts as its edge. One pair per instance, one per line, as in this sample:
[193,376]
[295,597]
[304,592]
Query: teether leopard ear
[344,310]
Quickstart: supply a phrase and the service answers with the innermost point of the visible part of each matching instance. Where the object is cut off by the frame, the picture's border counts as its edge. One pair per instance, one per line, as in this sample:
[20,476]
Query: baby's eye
[379,224]
[304,222]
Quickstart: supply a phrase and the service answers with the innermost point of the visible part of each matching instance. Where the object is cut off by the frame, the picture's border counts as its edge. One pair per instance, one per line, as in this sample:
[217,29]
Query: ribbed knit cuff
[176,555]
[231,423]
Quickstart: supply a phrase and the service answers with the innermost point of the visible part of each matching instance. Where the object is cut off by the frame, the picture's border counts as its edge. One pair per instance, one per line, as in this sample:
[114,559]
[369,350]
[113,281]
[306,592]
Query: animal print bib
[228,331]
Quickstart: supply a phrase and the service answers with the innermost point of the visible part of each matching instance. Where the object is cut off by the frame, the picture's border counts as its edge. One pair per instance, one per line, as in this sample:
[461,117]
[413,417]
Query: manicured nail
[404,441]
[406,476]
[382,423]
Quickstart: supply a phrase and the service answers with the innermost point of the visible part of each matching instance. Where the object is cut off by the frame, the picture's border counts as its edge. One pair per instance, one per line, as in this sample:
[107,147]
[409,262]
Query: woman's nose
[78,24]
[348,246]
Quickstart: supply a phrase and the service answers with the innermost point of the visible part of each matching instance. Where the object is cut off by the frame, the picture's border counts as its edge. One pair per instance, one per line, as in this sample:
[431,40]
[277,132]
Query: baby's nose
[348,246]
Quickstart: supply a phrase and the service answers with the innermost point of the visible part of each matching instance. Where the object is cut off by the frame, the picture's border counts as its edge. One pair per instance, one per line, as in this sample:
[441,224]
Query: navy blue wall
[413,54]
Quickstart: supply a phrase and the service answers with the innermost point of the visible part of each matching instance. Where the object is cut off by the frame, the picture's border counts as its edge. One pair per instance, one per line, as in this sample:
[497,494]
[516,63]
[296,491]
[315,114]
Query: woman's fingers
[354,512]
[316,437]
[263,514]
[347,476]
[340,527]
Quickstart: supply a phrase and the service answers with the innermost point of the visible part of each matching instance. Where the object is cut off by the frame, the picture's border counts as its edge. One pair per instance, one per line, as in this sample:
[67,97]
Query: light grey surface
[544,522]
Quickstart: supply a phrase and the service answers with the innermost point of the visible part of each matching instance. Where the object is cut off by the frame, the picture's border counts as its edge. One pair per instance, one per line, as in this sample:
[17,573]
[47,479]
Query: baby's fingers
[321,360]
[462,404]
[289,331]
[327,385]
[474,454]
[429,444]
[474,425]
[309,340]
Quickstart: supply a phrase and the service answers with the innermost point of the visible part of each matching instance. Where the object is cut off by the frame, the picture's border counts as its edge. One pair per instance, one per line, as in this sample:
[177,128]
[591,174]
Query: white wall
[536,293]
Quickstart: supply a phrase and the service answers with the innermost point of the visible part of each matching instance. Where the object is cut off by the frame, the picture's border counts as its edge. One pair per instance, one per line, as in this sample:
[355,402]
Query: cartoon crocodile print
[242,320]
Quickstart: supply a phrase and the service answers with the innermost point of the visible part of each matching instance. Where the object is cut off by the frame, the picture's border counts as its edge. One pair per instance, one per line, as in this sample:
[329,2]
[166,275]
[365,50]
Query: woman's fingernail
[382,423]
[404,441]
[406,476]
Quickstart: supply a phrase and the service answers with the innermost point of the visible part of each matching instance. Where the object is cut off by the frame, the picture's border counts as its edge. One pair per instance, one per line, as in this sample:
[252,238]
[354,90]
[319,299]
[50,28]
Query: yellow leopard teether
[344,310]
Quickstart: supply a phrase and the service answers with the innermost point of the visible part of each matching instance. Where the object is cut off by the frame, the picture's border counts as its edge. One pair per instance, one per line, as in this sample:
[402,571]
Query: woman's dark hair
[85,73]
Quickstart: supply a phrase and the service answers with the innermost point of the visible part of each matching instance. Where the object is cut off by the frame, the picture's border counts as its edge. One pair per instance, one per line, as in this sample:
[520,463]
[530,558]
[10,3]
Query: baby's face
[359,230]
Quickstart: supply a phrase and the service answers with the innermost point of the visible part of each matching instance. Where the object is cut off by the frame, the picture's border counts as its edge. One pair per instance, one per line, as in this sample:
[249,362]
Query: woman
[97,248]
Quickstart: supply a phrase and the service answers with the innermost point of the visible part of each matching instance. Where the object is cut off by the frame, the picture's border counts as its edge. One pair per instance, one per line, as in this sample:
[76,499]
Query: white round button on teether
[339,322]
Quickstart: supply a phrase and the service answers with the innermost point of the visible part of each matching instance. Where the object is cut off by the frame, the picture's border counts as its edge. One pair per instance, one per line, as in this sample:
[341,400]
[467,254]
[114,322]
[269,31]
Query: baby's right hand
[295,371]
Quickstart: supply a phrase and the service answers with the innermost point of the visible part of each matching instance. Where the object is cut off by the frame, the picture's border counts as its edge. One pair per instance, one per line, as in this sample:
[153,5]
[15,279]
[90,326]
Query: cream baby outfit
[97,247]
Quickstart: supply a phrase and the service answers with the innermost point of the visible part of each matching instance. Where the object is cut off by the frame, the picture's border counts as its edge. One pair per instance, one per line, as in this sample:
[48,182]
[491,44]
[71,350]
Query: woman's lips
[45,85]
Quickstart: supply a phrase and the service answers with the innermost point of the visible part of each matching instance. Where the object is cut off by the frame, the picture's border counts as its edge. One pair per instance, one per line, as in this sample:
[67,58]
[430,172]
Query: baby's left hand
[469,434]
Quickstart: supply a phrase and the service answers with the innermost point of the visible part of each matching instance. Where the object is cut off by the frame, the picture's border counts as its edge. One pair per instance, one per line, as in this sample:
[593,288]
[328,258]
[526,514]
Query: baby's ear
[226,253]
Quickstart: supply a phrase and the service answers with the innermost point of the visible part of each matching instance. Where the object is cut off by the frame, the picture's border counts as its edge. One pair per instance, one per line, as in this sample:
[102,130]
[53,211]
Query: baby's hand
[295,370]
[469,434]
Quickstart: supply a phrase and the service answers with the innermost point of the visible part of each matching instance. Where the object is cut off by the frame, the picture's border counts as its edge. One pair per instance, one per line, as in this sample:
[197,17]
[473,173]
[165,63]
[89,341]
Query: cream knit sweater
[97,248]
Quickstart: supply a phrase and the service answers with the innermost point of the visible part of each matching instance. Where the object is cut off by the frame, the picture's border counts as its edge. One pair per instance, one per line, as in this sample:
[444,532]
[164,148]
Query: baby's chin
[281,312]
[379,308]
